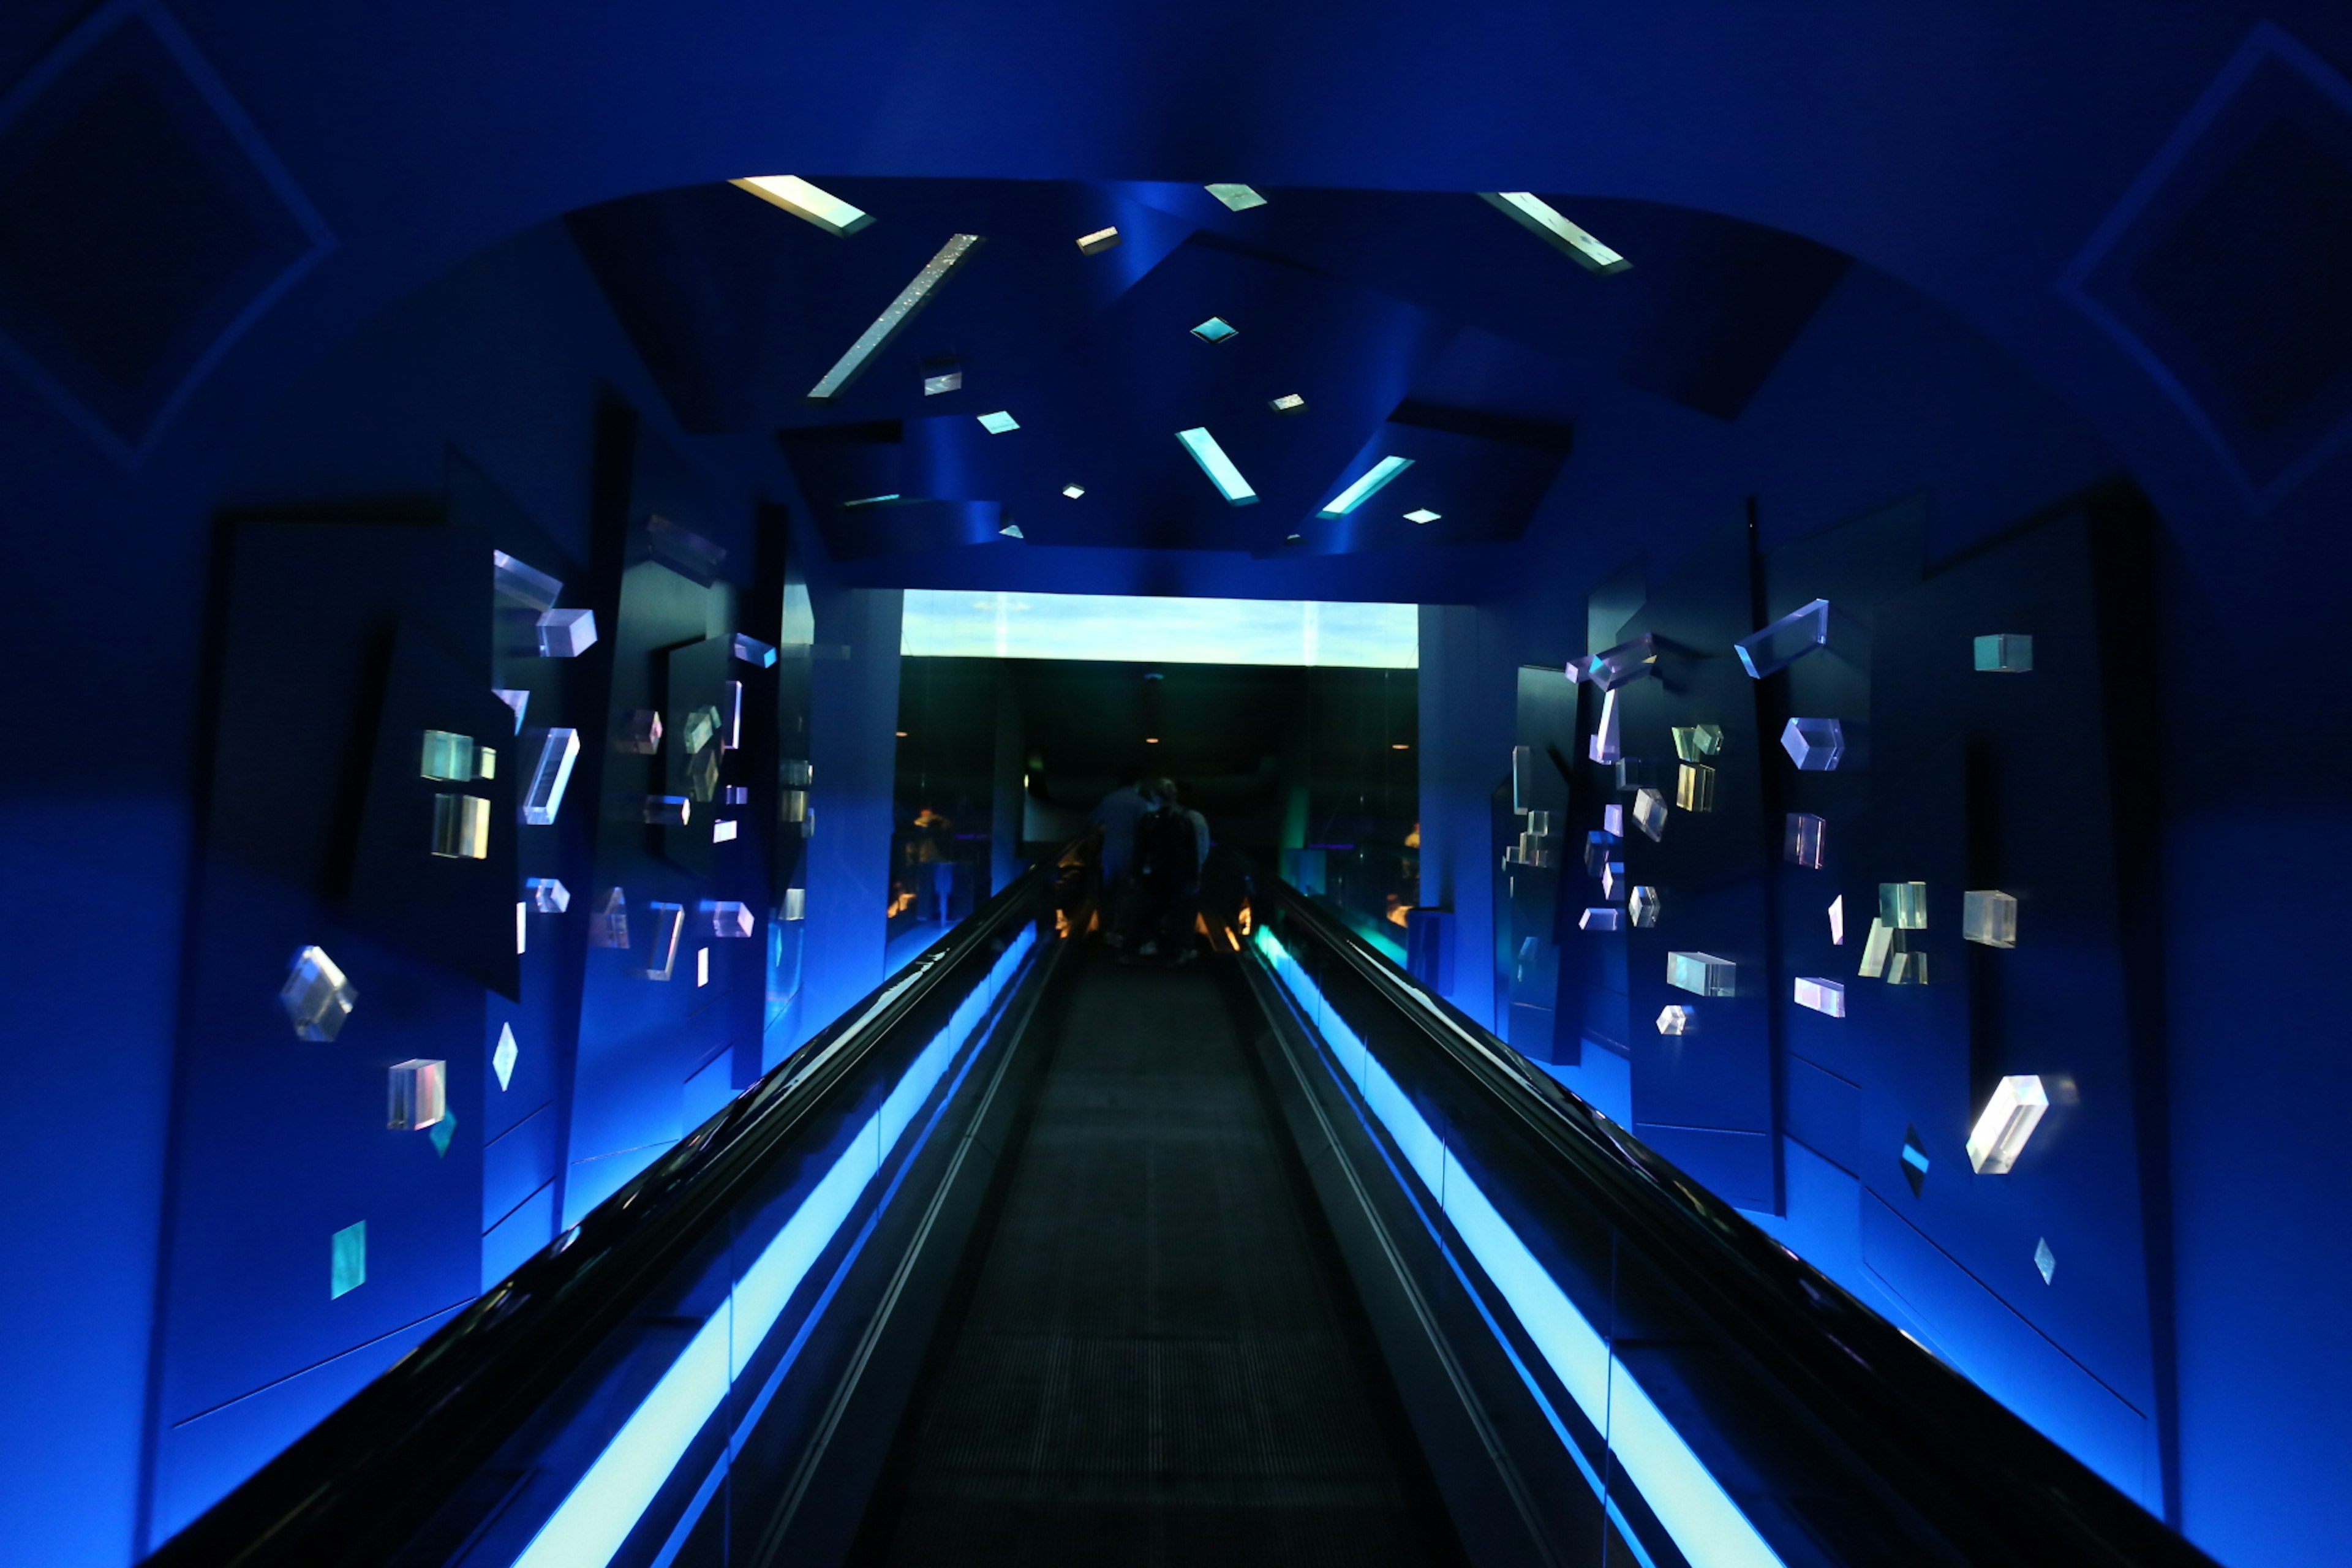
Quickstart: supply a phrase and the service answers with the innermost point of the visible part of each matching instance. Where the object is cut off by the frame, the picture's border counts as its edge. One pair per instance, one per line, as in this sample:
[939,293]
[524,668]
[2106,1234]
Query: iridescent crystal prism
[1695,742]
[518,700]
[503,1059]
[1599,919]
[1786,640]
[544,797]
[461,826]
[735,794]
[1676,1019]
[549,896]
[1650,814]
[1642,906]
[702,774]
[1702,973]
[999,422]
[523,584]
[1628,661]
[1876,949]
[317,996]
[566,634]
[417,1095]
[1598,850]
[1695,788]
[1907,968]
[1821,996]
[1216,330]
[1837,921]
[729,919]
[1988,917]
[1612,821]
[1805,841]
[446,757]
[1814,744]
[1613,885]
[1904,905]
[2008,1119]
[1288,403]
[752,651]
[1605,745]
[2004,653]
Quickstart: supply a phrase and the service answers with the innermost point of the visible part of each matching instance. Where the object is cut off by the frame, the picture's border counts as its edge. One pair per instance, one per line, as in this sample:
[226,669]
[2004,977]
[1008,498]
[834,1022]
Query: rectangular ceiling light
[1541,218]
[1217,466]
[803,200]
[1365,488]
[1237,198]
[960,624]
[892,321]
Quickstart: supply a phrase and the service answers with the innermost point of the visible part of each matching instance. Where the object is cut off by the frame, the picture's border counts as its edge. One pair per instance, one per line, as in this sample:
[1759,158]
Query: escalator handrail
[402,1447]
[1982,1474]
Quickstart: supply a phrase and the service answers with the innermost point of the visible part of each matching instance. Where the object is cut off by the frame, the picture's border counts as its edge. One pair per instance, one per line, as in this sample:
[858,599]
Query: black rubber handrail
[354,1489]
[1995,1487]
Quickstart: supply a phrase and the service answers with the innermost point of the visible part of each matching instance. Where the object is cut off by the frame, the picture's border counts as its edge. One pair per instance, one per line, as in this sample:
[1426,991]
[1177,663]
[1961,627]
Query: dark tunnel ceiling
[1415,324]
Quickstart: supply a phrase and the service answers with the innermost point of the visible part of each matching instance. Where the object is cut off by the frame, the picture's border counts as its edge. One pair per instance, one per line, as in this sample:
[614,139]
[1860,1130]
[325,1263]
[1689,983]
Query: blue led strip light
[605,1504]
[1691,1504]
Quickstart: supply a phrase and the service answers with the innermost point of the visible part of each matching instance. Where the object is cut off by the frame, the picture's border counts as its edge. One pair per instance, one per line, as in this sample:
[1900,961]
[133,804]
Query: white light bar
[948,623]
[2008,1120]
[803,200]
[1541,218]
[893,320]
[1368,487]
[1217,466]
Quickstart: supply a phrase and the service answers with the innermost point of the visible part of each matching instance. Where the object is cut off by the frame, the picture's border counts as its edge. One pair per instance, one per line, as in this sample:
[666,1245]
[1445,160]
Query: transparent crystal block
[440,1131]
[446,757]
[701,727]
[1216,330]
[317,996]
[999,423]
[1628,661]
[1237,198]
[1702,973]
[944,374]
[729,919]
[641,732]
[1676,1020]
[792,805]
[809,203]
[1904,905]
[609,925]
[1988,917]
[723,830]
[1805,841]
[1644,906]
[523,584]
[1695,788]
[566,634]
[1694,742]
[418,1095]
[1650,814]
[1915,1160]
[1905,968]
[1598,848]
[2046,1260]
[1606,744]
[347,1260]
[2004,653]
[1540,823]
[730,716]
[1641,773]
[486,762]
[752,651]
[1837,921]
[668,810]
[1422,514]
[795,903]
[1599,919]
[549,776]
[503,1059]
[1613,885]
[1876,949]
[2008,1119]
[461,826]
[549,896]
[702,966]
[1786,640]
[1814,744]
[797,773]
[1288,403]
[518,700]
[1612,821]
[522,928]
[1095,243]
[669,924]
[1821,996]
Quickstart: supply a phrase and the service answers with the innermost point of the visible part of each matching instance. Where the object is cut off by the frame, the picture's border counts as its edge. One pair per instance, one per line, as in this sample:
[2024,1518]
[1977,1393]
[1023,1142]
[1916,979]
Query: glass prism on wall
[1815,745]
[1702,973]
[1904,905]
[1628,661]
[418,1095]
[316,995]
[2008,1119]
[1990,917]
[1650,814]
[1786,640]
[1805,841]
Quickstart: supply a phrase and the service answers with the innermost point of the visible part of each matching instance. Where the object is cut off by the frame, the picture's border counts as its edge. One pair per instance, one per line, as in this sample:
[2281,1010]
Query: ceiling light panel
[893,320]
[1366,488]
[1547,222]
[1217,466]
[803,200]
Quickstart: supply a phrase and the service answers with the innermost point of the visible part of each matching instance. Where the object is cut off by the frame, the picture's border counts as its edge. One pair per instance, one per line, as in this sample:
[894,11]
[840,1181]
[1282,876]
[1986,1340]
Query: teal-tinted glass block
[1695,742]
[1786,640]
[347,1266]
[2005,653]
[443,1131]
[1904,905]
[1702,973]
[446,757]
[998,423]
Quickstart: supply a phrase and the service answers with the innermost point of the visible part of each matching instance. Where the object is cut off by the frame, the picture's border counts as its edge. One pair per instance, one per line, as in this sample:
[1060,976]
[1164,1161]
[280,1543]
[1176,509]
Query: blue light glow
[1365,488]
[1217,466]
[943,622]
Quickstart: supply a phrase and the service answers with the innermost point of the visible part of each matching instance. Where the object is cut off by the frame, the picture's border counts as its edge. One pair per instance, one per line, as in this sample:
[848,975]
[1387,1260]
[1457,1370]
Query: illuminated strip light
[1218,466]
[870,500]
[1687,1501]
[893,320]
[1539,217]
[1365,488]
[608,1501]
[803,200]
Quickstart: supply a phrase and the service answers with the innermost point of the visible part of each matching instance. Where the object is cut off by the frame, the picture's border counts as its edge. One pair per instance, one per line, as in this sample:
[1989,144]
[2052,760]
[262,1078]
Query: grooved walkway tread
[1154,1368]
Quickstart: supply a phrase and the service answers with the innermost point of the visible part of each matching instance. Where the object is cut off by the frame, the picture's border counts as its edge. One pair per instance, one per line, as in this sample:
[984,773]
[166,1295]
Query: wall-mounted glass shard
[1876,947]
[723,830]
[1422,514]
[1815,745]
[1074,491]
[701,726]
[1821,996]
[549,896]
[441,1131]
[461,826]
[417,1095]
[735,794]
[1605,745]
[641,734]
[730,716]
[609,925]
[549,776]
[795,903]
[894,319]
[2005,653]
[1805,841]
[1237,198]
[752,651]
[1365,487]
[1650,814]
[1676,1019]
[1012,531]
[1095,243]
[668,810]
[1988,917]
[1695,788]
[669,924]
[1614,884]
[518,700]
[1217,466]
[486,761]
[1695,742]
[503,1059]
[522,928]
[1786,640]
[1837,921]
[446,757]
[1612,821]
[1904,905]
[1907,968]
[1599,919]
[807,202]
[1627,661]
[2009,1119]
[998,423]
[347,1260]
[1599,848]
[1288,403]
[1644,906]
[317,996]
[729,919]
[566,634]
[522,583]
[1216,330]
[2046,1260]
[1702,973]
[942,372]
[1915,1160]
[1540,218]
